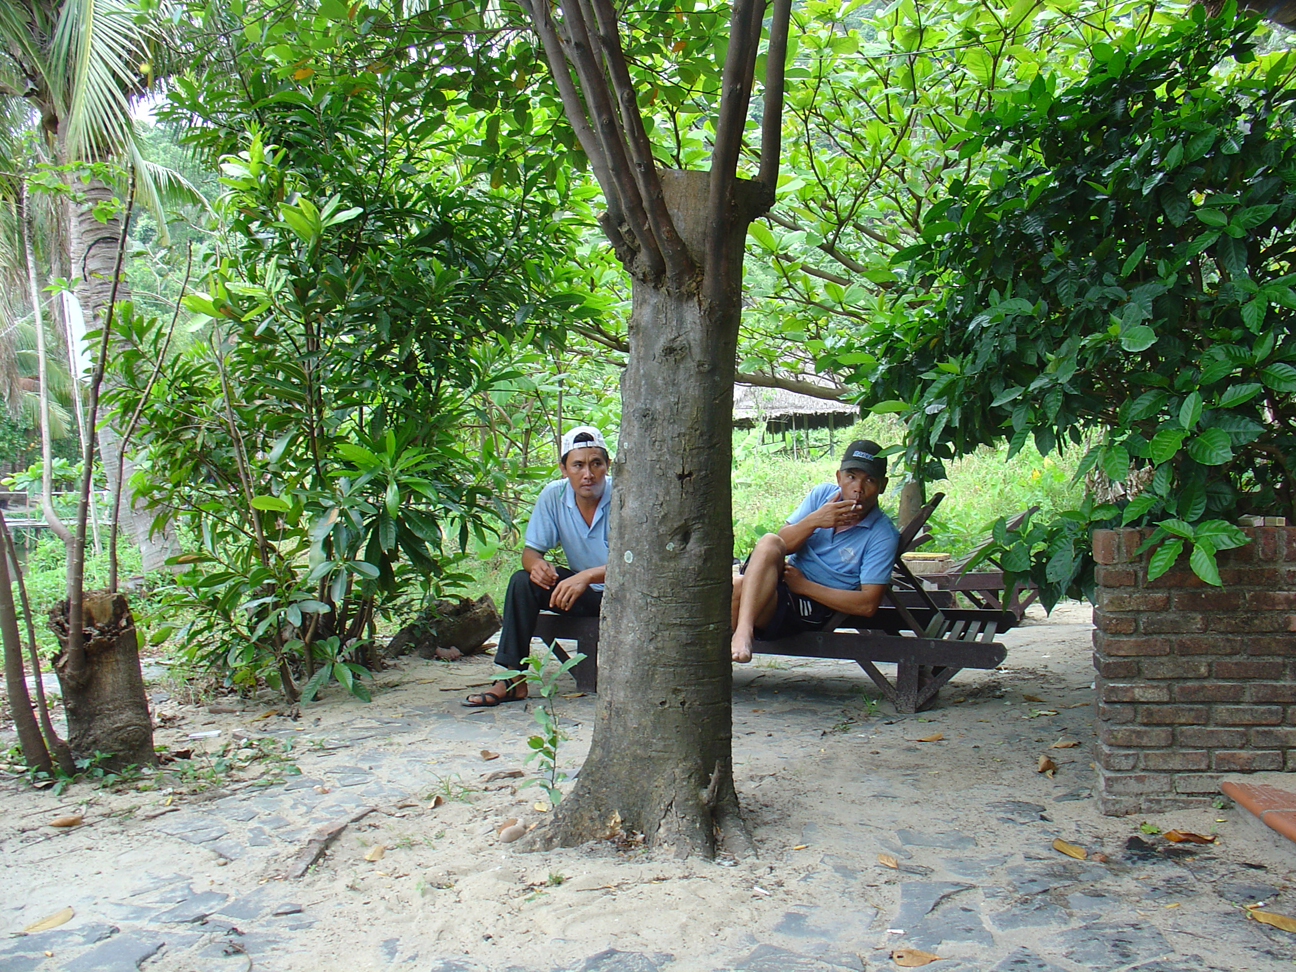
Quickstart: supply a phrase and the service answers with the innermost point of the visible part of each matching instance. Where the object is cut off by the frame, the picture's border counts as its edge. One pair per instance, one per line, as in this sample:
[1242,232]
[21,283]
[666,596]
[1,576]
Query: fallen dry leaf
[67,820]
[886,860]
[510,834]
[800,846]
[934,737]
[487,754]
[1285,922]
[1047,766]
[505,825]
[1070,850]
[265,715]
[1032,698]
[1179,836]
[502,775]
[1100,858]
[1065,744]
[911,958]
[436,802]
[375,853]
[61,917]
[540,807]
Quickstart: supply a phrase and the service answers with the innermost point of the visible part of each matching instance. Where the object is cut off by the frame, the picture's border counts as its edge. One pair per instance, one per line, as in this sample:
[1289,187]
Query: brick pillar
[1194,682]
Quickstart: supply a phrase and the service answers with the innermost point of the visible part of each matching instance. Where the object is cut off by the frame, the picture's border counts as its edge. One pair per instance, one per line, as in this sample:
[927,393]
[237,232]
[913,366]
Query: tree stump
[446,627]
[107,710]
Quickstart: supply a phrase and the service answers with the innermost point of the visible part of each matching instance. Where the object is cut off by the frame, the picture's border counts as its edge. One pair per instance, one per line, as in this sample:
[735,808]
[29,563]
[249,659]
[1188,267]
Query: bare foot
[741,650]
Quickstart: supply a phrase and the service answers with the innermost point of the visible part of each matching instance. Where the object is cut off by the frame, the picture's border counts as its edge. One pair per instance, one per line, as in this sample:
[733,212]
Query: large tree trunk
[107,709]
[660,762]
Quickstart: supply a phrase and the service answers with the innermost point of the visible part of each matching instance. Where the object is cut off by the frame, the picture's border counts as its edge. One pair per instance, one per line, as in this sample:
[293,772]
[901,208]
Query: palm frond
[101,45]
[29,414]
[21,26]
[160,187]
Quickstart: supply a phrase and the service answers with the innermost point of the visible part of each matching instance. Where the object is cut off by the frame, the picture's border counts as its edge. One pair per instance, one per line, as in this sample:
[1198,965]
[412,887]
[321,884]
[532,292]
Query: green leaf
[1176,528]
[1137,507]
[1253,313]
[1221,534]
[1133,259]
[1016,559]
[1190,411]
[1060,565]
[1211,448]
[1237,394]
[1007,395]
[1147,405]
[1212,217]
[1116,463]
[1280,376]
[310,689]
[270,504]
[1165,444]
[1137,338]
[762,235]
[1202,560]
[883,408]
[363,568]
[1163,558]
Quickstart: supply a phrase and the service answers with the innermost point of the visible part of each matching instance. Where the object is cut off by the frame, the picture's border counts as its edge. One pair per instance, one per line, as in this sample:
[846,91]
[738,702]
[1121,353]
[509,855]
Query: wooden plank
[878,647]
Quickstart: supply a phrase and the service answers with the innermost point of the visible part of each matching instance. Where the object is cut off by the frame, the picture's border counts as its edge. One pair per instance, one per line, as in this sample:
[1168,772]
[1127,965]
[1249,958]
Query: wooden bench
[918,631]
[960,639]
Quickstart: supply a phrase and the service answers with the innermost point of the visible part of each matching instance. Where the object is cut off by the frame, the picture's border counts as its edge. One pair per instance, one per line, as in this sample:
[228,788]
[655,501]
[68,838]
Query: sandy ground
[870,840]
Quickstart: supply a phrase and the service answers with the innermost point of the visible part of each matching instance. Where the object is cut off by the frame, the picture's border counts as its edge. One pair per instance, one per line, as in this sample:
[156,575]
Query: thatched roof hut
[782,410]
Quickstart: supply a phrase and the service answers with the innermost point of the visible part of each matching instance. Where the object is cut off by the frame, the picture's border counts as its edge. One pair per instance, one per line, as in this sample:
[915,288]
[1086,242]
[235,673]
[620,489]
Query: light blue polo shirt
[863,554]
[556,522]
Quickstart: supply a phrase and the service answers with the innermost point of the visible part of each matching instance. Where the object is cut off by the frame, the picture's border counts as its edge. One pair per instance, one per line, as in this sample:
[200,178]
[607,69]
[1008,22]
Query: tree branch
[735,94]
[772,120]
[678,262]
[846,261]
[580,52]
[813,272]
[574,108]
[808,388]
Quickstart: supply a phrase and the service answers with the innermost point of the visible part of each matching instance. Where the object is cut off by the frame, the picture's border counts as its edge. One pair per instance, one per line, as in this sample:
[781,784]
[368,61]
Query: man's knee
[769,548]
[521,588]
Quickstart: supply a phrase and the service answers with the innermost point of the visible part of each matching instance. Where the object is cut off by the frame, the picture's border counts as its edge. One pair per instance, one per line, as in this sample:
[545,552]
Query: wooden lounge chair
[984,588]
[927,640]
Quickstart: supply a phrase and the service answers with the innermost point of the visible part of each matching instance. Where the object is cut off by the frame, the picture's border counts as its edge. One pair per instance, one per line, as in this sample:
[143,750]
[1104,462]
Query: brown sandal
[515,692]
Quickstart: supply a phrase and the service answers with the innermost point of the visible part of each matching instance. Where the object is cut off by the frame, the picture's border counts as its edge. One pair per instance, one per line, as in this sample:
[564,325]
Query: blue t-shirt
[557,522]
[846,559]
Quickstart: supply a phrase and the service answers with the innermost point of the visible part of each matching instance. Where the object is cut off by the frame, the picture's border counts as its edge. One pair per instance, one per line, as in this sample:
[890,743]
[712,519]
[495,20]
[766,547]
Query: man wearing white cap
[571,513]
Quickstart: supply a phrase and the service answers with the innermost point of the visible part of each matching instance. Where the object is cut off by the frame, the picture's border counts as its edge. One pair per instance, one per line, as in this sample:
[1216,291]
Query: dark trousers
[523,603]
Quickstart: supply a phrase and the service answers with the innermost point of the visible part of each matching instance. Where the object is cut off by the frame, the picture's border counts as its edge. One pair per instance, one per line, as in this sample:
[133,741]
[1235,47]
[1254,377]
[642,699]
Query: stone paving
[976,880]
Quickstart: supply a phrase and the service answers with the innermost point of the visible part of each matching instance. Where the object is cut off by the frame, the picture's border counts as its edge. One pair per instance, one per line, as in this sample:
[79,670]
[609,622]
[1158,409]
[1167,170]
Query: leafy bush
[1128,273]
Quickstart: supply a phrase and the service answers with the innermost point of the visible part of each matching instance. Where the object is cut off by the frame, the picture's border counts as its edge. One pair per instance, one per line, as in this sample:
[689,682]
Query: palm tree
[77,64]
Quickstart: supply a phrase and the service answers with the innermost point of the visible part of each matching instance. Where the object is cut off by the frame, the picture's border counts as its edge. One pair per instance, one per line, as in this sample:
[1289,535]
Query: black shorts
[794,614]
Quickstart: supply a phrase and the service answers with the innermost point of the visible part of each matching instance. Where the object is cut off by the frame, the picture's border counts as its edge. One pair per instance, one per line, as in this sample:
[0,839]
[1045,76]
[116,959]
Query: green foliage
[544,745]
[357,389]
[62,475]
[1126,270]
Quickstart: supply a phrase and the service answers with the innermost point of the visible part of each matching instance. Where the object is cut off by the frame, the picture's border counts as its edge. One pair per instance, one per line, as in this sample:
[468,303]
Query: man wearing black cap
[834,554]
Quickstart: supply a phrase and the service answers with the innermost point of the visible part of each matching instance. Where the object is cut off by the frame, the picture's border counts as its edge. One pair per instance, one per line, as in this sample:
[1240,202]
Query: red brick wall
[1194,682]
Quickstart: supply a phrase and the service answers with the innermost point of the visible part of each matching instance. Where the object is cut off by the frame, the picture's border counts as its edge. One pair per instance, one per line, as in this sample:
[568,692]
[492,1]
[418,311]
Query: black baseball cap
[863,454]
